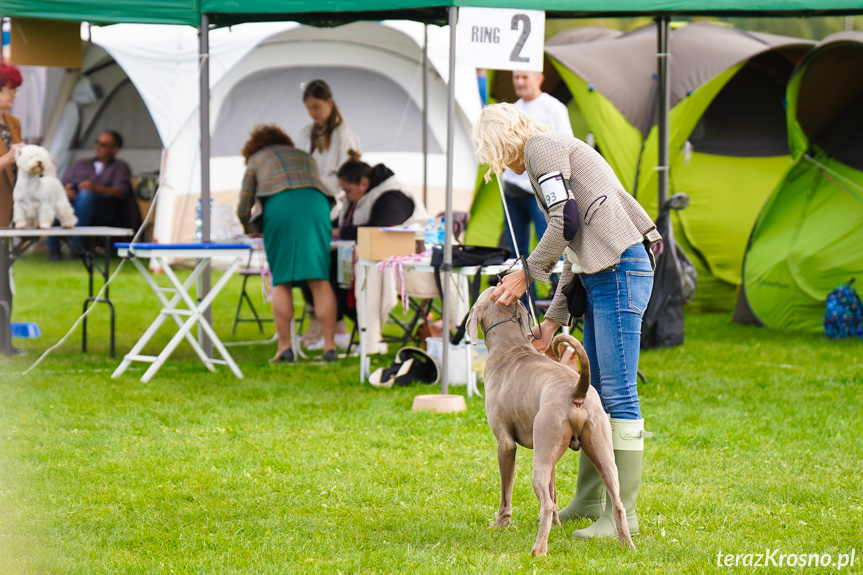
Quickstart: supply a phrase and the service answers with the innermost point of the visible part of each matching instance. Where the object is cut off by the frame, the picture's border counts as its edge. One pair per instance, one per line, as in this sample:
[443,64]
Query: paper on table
[411,228]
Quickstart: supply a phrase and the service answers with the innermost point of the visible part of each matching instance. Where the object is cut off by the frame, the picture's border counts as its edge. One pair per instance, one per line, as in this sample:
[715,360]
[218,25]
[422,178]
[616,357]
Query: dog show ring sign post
[501,39]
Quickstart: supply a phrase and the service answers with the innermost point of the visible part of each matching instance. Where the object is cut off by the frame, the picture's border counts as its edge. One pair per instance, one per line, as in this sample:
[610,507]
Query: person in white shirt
[520,201]
[328,139]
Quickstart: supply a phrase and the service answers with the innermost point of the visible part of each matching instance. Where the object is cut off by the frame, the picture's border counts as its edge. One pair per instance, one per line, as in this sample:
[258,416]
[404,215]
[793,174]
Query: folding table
[85,250]
[194,312]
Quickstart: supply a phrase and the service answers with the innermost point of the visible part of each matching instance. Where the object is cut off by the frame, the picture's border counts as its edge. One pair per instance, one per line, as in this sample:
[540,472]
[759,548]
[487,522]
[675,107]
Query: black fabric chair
[253,269]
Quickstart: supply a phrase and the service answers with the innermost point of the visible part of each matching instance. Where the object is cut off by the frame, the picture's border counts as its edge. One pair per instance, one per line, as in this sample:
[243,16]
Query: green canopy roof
[103,12]
[226,12]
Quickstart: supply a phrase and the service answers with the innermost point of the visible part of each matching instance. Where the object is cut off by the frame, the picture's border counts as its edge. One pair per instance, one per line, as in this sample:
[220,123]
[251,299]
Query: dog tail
[584,371]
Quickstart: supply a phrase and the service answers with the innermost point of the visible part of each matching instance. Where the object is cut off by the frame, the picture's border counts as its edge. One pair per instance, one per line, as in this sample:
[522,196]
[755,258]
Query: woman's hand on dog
[549,328]
[8,158]
[510,288]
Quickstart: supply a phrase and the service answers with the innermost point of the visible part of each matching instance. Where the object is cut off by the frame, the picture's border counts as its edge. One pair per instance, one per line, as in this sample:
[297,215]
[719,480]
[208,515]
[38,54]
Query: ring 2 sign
[501,39]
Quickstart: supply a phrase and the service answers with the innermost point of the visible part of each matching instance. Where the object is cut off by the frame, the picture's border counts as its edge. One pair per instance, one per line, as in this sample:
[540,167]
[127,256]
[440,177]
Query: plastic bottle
[441,232]
[199,222]
[430,234]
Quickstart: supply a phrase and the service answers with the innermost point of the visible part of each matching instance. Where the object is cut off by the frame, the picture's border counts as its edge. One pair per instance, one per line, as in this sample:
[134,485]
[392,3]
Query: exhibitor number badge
[555,189]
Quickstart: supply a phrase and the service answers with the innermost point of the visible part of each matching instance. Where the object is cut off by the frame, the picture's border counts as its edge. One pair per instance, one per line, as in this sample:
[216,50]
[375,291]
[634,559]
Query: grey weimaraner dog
[535,402]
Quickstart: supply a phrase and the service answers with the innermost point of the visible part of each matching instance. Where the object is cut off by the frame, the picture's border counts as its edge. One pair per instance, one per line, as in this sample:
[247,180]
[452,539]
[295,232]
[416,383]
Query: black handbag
[462,257]
[576,297]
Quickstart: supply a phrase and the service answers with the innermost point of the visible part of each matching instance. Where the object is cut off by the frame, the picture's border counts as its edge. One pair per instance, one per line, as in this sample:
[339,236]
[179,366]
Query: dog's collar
[514,318]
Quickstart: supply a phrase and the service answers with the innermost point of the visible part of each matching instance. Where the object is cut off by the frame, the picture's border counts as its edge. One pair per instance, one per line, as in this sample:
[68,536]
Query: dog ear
[471,326]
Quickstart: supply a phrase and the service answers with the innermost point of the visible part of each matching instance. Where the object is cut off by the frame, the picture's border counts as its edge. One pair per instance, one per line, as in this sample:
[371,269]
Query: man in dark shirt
[99,188]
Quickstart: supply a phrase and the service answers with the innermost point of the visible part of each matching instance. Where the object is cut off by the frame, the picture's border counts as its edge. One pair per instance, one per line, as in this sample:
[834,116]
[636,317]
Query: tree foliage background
[814,28]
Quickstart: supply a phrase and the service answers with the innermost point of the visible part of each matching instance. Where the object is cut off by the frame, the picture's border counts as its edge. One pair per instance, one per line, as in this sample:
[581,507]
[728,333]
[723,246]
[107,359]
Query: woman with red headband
[10,139]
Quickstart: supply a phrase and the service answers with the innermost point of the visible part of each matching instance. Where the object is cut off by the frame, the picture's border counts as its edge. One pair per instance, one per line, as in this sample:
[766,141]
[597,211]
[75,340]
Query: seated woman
[296,229]
[375,198]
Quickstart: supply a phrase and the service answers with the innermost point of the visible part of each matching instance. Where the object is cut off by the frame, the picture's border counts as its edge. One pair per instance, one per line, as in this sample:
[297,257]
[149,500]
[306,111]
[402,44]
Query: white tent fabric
[256,72]
[375,70]
[162,62]
[80,104]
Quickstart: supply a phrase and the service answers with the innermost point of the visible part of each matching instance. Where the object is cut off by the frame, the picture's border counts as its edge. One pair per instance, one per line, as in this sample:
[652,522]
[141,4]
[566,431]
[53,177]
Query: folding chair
[419,310]
[256,266]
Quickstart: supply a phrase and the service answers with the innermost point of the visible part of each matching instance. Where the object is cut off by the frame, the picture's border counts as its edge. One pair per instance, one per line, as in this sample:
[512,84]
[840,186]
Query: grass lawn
[301,469]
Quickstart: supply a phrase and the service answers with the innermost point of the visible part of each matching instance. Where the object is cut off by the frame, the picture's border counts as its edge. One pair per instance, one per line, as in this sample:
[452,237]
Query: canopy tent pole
[204,91]
[425,113]
[663,104]
[446,267]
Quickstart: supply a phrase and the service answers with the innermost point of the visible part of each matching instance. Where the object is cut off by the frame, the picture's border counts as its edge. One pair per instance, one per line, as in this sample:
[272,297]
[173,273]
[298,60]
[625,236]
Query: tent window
[123,111]
[830,102]
[849,150]
[747,118]
[379,111]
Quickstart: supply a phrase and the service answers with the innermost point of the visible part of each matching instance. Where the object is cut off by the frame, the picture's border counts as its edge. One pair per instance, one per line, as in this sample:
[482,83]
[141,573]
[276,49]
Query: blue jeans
[88,205]
[616,300]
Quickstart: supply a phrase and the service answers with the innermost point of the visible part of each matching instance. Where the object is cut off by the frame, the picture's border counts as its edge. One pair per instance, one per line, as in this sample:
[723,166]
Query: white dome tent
[256,72]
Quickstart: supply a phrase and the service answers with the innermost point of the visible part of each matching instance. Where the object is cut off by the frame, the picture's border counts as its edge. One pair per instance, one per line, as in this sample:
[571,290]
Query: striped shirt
[272,170]
[611,220]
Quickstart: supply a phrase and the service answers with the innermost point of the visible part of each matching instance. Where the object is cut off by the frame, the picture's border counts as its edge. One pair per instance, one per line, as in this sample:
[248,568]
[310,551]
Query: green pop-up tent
[728,142]
[809,237]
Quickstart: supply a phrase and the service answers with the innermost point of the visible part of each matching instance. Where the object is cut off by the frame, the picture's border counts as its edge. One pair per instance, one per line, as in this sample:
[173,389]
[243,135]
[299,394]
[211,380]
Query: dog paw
[626,544]
[44,226]
[539,551]
[68,226]
[501,523]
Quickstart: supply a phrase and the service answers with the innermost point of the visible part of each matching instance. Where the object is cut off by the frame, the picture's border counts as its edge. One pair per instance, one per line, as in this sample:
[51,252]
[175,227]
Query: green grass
[301,469]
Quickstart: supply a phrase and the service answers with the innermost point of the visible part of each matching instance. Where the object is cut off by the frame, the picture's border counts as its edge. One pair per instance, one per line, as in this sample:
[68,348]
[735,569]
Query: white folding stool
[203,252]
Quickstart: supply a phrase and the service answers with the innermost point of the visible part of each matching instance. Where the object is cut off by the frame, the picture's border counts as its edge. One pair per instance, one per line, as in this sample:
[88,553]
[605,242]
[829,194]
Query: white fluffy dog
[38,195]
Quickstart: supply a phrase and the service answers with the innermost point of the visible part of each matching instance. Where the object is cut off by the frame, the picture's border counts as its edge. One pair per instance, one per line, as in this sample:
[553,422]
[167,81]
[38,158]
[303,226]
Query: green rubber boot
[589,493]
[628,440]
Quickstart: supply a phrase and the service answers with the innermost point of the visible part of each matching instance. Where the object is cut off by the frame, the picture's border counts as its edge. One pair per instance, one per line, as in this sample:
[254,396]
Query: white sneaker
[343,340]
[317,346]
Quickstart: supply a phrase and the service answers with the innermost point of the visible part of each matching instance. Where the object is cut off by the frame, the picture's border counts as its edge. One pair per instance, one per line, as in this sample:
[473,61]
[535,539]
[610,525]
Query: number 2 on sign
[516,56]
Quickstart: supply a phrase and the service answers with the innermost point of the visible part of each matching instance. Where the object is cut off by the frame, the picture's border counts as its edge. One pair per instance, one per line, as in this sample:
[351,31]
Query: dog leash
[531,295]
[519,257]
[514,319]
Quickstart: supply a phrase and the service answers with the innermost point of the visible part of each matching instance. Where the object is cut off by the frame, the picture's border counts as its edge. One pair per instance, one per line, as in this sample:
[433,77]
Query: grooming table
[86,251]
[194,312]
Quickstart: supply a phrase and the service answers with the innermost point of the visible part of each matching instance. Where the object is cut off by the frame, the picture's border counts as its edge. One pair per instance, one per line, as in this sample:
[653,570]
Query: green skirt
[297,235]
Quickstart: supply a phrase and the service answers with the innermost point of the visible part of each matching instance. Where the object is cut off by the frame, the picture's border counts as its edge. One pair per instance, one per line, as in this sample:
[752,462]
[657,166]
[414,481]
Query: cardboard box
[37,42]
[376,244]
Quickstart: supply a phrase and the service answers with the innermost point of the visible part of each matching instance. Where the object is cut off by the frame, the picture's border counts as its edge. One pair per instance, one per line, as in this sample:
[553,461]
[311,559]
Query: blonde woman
[597,225]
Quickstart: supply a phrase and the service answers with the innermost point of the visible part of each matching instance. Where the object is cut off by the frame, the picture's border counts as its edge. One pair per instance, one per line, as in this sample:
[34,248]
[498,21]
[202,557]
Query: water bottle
[199,224]
[441,232]
[430,234]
